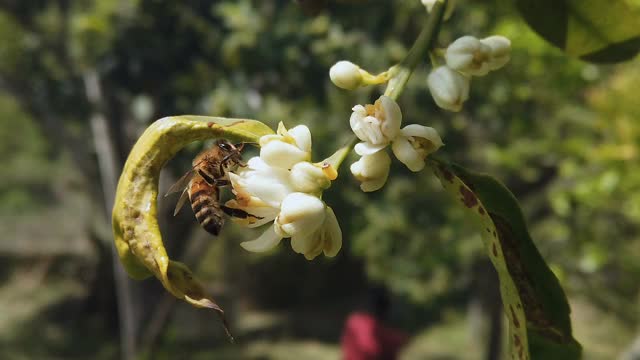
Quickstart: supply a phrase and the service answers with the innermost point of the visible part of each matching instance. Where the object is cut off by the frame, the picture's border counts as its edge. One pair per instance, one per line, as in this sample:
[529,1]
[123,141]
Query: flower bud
[300,215]
[309,178]
[346,75]
[372,170]
[500,50]
[469,55]
[448,87]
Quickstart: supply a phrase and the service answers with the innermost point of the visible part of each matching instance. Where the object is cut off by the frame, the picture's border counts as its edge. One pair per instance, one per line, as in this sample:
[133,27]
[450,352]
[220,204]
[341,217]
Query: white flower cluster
[378,126]
[467,56]
[283,187]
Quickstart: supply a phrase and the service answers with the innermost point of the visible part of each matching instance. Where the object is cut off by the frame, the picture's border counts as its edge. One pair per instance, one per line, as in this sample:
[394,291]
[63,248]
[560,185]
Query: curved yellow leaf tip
[187,287]
[134,218]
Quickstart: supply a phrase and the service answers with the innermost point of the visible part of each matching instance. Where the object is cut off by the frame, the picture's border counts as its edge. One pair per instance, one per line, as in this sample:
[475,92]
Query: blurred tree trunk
[485,310]
[109,165]
[131,295]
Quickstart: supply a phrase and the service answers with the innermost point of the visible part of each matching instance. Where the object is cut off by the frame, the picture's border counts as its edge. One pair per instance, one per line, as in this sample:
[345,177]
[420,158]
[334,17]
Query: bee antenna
[241,145]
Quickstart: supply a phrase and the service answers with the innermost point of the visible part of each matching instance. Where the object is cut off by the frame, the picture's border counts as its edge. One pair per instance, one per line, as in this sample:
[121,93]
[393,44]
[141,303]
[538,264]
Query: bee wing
[181,201]
[181,184]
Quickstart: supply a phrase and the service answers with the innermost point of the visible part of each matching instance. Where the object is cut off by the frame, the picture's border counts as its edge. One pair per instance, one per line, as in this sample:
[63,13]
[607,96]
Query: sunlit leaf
[593,30]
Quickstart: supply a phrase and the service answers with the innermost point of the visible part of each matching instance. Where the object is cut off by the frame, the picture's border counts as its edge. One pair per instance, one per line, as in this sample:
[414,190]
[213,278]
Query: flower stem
[338,157]
[402,72]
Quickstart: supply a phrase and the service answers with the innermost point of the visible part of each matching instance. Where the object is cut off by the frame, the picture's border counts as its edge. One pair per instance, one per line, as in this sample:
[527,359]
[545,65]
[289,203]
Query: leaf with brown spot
[531,293]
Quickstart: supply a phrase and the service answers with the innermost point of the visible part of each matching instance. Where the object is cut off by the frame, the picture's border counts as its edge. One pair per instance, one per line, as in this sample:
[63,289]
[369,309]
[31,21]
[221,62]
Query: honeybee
[201,184]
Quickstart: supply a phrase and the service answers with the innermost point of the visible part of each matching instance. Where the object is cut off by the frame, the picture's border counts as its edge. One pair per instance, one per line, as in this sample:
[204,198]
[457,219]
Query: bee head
[226,146]
[232,153]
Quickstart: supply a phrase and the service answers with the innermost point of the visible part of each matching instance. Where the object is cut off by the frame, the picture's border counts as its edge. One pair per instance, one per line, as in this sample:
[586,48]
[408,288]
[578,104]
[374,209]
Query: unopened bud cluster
[466,57]
[377,125]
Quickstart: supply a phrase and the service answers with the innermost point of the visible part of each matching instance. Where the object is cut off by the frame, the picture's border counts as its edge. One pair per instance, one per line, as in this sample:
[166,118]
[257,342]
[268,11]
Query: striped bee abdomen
[205,202]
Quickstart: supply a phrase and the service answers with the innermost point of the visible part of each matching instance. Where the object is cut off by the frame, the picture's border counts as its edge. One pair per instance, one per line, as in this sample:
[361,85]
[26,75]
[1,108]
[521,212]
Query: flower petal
[258,179]
[332,238]
[500,50]
[425,132]
[309,178]
[260,212]
[302,135]
[302,244]
[390,127]
[271,190]
[267,241]
[300,214]
[281,154]
[366,148]
[405,152]
[373,185]
[448,88]
[255,163]
[469,55]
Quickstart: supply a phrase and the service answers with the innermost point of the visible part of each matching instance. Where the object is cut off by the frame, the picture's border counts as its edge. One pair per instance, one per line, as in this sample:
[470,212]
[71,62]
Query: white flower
[411,145]
[377,124]
[280,186]
[308,221]
[500,50]
[346,75]
[448,87]
[469,55]
[286,148]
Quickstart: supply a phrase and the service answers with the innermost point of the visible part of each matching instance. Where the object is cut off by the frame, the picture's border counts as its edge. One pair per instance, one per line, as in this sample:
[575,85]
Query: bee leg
[208,178]
[241,214]
[221,182]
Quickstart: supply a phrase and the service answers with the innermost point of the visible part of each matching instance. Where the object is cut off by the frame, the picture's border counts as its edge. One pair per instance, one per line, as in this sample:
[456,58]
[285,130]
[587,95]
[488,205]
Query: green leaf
[135,226]
[593,30]
[534,302]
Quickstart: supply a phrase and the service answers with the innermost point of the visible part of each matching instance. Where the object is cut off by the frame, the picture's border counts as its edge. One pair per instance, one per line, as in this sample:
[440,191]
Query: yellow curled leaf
[134,218]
